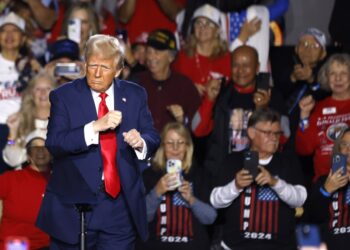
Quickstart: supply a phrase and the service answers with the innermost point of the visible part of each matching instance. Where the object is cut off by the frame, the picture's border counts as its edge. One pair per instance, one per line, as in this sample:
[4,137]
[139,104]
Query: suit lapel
[87,103]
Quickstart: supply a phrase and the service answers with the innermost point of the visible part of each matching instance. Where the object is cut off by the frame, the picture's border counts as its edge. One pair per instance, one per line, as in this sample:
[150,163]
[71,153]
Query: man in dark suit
[99,129]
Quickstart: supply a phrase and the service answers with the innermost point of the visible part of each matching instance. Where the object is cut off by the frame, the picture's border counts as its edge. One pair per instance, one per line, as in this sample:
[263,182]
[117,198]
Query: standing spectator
[188,203]
[329,200]
[84,12]
[145,16]
[22,191]
[172,96]
[33,115]
[225,115]
[12,39]
[320,123]
[206,53]
[259,210]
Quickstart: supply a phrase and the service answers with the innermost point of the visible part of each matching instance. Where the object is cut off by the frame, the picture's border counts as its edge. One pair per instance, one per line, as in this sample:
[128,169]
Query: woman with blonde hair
[177,199]
[205,56]
[33,115]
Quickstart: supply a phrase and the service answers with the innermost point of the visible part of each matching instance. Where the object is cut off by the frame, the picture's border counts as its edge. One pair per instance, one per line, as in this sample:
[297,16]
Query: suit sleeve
[61,138]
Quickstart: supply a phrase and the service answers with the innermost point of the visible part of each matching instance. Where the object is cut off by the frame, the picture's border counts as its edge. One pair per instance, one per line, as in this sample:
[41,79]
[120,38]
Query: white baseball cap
[12,18]
[210,12]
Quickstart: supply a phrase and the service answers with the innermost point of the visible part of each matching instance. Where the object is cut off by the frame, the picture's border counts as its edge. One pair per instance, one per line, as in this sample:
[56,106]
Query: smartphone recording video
[251,162]
[308,235]
[339,162]
[263,81]
[74,30]
[175,166]
[66,69]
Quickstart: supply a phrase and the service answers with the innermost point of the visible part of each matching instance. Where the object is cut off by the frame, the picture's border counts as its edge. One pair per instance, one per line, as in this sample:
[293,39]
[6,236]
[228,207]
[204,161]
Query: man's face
[38,154]
[309,51]
[265,137]
[100,72]
[244,67]
[158,61]
[11,37]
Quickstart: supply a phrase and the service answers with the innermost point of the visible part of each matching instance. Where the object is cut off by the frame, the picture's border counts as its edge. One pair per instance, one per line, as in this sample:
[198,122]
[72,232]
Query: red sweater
[21,193]
[198,67]
[327,119]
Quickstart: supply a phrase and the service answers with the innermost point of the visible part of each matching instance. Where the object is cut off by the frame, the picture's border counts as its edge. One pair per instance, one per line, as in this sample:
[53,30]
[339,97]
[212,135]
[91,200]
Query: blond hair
[159,160]
[27,110]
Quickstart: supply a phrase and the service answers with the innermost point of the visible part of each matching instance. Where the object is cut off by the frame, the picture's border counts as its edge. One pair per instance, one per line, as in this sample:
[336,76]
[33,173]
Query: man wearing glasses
[259,203]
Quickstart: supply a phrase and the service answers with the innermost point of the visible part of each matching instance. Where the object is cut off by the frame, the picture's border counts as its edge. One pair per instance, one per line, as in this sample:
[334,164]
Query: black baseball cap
[162,39]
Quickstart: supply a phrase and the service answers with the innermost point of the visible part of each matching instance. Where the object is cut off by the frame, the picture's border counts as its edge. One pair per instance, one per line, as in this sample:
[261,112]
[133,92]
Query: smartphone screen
[251,162]
[175,166]
[74,29]
[16,243]
[263,81]
[308,235]
[64,69]
[339,162]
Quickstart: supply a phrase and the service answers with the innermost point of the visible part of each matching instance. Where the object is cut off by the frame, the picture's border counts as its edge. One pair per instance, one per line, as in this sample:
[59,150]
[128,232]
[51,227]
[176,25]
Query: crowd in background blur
[208,67]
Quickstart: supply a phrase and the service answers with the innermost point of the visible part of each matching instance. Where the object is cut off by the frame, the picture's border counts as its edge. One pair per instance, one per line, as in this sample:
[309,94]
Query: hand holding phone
[308,236]
[74,30]
[174,166]
[67,69]
[251,162]
[339,162]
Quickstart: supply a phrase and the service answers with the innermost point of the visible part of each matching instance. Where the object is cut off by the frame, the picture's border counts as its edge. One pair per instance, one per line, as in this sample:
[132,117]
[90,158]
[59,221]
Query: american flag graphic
[339,209]
[174,220]
[259,210]
[235,23]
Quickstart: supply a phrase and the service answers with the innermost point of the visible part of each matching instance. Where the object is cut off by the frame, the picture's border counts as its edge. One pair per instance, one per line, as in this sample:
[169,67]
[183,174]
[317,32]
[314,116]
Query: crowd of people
[216,145]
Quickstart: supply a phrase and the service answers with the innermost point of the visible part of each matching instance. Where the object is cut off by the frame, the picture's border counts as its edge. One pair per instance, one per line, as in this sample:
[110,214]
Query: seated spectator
[64,51]
[259,208]
[320,123]
[21,193]
[205,54]
[171,96]
[224,113]
[329,200]
[33,115]
[165,199]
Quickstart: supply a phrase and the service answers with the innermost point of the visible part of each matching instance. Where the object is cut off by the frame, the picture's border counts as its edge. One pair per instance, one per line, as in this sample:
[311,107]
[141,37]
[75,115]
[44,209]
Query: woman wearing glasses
[329,202]
[177,201]
[321,123]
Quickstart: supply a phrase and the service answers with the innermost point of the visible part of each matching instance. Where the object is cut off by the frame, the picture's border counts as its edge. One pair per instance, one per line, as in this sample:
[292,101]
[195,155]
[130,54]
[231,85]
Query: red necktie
[108,141]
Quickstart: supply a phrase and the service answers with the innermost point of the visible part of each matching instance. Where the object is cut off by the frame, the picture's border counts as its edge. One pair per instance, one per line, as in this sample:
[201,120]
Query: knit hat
[12,18]
[317,34]
[210,12]
[162,39]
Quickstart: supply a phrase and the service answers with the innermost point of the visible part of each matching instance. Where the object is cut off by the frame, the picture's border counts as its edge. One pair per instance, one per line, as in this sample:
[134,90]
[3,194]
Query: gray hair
[107,46]
[343,59]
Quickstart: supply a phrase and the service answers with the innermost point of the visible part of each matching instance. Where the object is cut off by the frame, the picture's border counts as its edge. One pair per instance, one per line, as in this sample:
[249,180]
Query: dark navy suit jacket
[77,168]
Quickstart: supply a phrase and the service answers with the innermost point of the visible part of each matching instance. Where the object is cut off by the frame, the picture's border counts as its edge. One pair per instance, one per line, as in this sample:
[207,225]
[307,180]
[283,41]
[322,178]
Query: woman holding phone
[177,202]
[330,199]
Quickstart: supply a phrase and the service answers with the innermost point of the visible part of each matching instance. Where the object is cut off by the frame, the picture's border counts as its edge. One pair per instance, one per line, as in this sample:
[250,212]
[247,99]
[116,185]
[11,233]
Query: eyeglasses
[204,24]
[175,144]
[308,44]
[269,133]
[344,145]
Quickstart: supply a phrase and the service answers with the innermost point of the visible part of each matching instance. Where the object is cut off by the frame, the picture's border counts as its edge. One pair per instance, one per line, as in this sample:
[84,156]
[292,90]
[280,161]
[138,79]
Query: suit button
[100,169]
